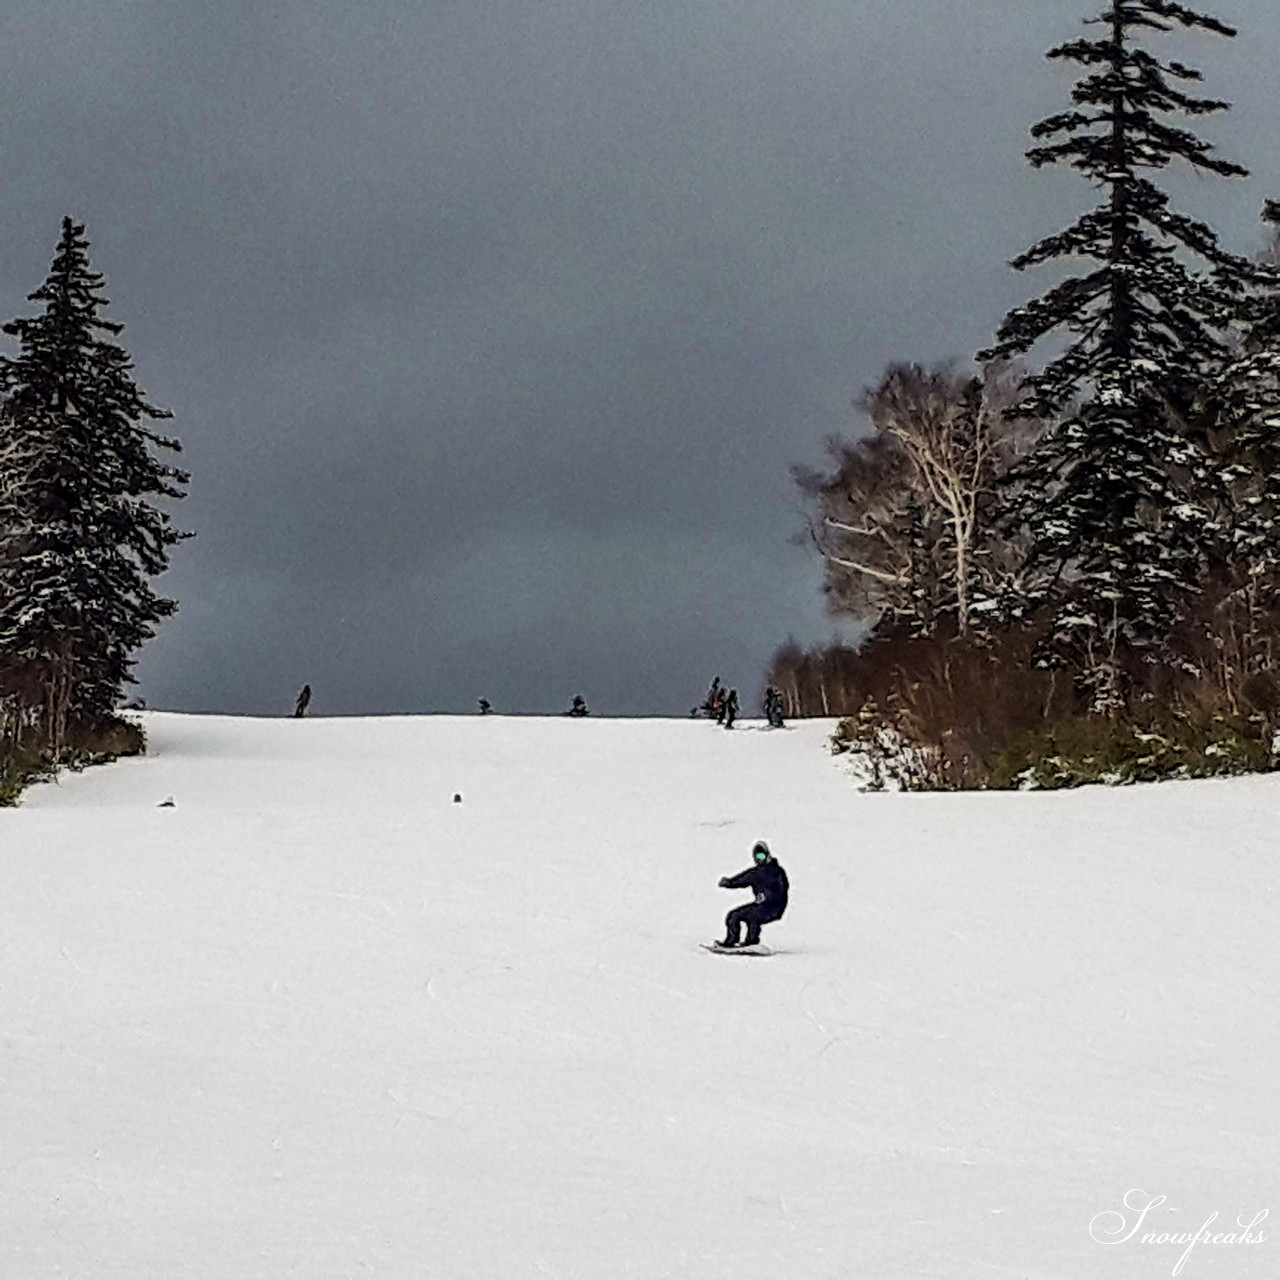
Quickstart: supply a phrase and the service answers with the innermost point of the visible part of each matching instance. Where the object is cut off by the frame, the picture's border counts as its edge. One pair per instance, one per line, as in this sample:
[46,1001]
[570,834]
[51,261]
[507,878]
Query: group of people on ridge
[721,703]
[578,707]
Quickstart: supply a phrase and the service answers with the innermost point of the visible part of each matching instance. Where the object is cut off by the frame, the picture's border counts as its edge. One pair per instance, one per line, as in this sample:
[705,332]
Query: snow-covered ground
[318,1020]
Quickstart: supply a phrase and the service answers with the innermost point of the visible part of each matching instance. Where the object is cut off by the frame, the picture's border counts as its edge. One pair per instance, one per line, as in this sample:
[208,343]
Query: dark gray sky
[492,327]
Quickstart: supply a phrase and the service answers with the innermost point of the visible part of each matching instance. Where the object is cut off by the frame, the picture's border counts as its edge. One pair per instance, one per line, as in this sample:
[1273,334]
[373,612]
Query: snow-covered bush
[29,758]
[19,767]
[953,714]
[1154,744]
[883,759]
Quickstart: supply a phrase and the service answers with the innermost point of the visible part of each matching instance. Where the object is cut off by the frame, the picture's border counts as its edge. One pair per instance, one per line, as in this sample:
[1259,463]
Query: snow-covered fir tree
[1245,396]
[1240,415]
[80,534]
[1109,497]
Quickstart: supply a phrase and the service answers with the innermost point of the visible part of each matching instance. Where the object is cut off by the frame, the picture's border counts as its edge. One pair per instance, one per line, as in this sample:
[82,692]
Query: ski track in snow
[319,1020]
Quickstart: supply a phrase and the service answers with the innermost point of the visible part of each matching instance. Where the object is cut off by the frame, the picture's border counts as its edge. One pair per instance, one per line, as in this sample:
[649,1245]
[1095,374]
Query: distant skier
[773,707]
[483,704]
[768,881]
[579,707]
[303,702]
[730,708]
[710,702]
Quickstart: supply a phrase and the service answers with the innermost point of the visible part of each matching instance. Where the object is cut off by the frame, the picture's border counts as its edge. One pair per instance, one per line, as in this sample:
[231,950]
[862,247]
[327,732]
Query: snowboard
[756,949]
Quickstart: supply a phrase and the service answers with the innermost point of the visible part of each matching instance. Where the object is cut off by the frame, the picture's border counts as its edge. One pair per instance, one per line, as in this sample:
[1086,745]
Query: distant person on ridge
[303,702]
[579,707]
[768,881]
[483,704]
[730,708]
[709,702]
[773,707]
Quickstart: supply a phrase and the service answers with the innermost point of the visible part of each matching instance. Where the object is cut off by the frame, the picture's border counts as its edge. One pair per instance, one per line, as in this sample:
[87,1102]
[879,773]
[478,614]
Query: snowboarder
[730,708]
[484,705]
[303,702]
[579,707]
[769,882]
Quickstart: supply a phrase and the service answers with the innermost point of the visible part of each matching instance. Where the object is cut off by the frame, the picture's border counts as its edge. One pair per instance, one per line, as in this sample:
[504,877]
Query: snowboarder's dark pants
[753,916]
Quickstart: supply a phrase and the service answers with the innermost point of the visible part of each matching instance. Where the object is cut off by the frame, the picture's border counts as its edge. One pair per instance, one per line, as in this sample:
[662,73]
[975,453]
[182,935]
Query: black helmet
[761,852]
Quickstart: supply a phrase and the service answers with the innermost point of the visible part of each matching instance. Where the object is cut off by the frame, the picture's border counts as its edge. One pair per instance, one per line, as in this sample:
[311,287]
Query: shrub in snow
[1156,743]
[28,759]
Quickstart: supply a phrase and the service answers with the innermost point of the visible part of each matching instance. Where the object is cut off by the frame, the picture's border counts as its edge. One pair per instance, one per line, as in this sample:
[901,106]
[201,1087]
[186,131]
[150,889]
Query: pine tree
[1240,418]
[1244,406]
[1109,495]
[79,532]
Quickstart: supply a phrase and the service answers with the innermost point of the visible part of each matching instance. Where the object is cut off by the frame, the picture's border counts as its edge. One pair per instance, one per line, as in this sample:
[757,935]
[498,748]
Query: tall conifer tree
[1108,495]
[1242,413]
[79,532]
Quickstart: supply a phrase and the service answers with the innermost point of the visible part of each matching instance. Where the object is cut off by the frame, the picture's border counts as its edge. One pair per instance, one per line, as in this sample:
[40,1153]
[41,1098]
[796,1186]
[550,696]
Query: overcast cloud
[492,327]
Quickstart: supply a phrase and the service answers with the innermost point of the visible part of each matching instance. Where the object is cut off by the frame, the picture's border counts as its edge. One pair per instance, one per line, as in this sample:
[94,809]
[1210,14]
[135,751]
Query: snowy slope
[318,1020]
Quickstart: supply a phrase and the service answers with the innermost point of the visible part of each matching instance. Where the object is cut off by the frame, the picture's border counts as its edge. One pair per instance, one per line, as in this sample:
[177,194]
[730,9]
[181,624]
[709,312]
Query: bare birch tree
[903,518]
[861,526]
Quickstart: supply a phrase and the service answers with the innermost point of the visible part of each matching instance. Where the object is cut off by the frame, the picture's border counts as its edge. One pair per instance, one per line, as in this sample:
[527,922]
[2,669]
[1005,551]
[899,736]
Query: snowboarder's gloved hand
[724,882]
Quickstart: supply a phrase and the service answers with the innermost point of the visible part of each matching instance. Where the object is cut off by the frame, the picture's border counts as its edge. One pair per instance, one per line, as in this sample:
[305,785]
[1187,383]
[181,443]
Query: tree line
[81,531]
[1074,573]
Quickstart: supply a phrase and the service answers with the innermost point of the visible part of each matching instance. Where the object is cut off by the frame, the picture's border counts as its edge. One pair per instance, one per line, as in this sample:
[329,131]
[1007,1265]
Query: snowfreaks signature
[1112,1227]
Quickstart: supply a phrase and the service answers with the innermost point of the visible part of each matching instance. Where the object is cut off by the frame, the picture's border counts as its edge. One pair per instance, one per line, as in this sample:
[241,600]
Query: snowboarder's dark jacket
[769,883]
